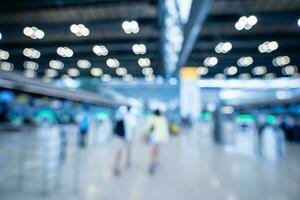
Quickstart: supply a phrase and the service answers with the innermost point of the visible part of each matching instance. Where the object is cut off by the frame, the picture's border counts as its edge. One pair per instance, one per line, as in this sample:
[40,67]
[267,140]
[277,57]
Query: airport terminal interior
[150,100]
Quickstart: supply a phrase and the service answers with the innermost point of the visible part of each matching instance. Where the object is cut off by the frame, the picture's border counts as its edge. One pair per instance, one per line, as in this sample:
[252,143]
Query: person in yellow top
[157,131]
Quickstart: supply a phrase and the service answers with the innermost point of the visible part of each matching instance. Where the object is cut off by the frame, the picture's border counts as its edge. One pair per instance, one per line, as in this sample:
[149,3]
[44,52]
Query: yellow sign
[189,73]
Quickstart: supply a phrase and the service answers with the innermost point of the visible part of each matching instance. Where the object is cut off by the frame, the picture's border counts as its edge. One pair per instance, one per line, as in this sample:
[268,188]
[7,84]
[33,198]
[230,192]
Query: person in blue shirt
[84,123]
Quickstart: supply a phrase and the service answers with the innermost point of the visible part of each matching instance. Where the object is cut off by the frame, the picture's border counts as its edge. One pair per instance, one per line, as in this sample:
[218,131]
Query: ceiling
[277,21]
[103,19]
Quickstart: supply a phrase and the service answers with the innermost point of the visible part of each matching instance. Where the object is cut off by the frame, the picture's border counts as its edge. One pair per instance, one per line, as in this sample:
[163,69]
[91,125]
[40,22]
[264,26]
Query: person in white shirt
[125,130]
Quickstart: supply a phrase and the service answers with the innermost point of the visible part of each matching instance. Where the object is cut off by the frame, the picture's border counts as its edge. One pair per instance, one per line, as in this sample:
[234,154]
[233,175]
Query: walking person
[157,132]
[125,130]
[84,124]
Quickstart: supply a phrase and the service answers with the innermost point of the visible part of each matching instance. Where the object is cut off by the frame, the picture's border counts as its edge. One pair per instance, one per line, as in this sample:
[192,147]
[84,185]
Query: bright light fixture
[100,50]
[29,73]
[79,30]
[139,49]
[268,47]
[245,61]
[245,76]
[64,52]
[173,81]
[4,55]
[289,70]
[144,62]
[51,73]
[31,53]
[220,76]
[281,61]
[73,72]
[147,71]
[259,70]
[121,71]
[210,61]
[231,70]
[30,65]
[130,27]
[223,47]
[202,71]
[245,22]
[127,78]
[106,77]
[112,63]
[96,71]
[33,32]
[6,66]
[56,64]
[150,78]
[84,64]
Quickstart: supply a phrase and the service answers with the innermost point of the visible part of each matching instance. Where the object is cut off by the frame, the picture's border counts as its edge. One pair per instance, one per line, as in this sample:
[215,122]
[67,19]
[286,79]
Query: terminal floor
[191,167]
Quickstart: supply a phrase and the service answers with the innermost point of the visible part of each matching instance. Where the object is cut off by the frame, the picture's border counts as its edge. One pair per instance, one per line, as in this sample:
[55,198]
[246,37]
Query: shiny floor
[191,167]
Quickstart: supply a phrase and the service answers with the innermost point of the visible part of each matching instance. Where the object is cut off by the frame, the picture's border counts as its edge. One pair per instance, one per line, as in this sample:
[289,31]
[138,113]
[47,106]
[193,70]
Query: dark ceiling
[277,20]
[103,19]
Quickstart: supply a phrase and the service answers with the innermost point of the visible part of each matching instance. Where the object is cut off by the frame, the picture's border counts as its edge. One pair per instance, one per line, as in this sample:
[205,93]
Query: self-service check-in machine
[246,135]
[273,142]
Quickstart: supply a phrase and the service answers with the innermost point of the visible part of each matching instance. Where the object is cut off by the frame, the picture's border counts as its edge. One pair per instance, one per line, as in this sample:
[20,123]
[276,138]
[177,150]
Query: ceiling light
[4,55]
[245,61]
[106,77]
[112,63]
[64,52]
[281,61]
[84,64]
[210,61]
[130,27]
[73,72]
[139,49]
[33,32]
[96,71]
[270,76]
[144,62]
[220,76]
[223,47]
[51,73]
[56,64]
[150,78]
[289,70]
[0,36]
[245,22]
[202,71]
[259,70]
[299,22]
[147,71]
[245,76]
[100,50]
[31,53]
[6,66]
[230,70]
[30,65]
[173,81]
[127,77]
[121,71]
[29,73]
[268,47]
[79,30]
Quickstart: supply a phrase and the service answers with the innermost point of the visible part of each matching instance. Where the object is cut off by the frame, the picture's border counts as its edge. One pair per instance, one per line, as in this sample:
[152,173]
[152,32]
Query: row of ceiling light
[100,50]
[288,70]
